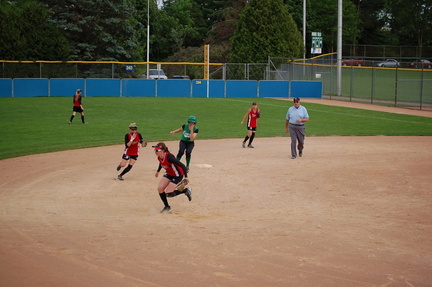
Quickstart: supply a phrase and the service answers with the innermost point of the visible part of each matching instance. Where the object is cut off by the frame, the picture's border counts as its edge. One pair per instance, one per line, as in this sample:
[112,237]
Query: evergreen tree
[26,33]
[97,30]
[265,29]
[139,22]
[189,26]
[226,18]
[165,39]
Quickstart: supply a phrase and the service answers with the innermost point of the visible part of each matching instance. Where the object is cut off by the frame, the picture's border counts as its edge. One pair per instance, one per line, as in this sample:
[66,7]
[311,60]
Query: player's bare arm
[176,131]
[245,116]
[131,141]
[193,136]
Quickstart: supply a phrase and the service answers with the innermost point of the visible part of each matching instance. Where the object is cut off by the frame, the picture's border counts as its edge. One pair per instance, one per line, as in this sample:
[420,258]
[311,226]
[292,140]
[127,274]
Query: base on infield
[204,165]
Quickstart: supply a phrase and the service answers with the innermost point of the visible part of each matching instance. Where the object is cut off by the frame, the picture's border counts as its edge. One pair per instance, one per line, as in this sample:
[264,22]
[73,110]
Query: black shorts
[251,129]
[174,179]
[77,109]
[127,157]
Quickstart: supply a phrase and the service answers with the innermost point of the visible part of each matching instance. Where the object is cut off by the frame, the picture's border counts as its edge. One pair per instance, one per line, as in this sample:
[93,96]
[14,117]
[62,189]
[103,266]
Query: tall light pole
[304,29]
[339,49]
[148,36]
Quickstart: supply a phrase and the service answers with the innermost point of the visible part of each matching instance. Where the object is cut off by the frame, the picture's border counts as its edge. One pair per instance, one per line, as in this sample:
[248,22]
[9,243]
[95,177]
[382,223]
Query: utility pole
[339,49]
[304,29]
[148,37]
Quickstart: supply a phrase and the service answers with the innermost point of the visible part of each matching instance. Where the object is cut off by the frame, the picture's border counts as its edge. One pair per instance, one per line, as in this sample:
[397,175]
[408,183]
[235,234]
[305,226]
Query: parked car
[389,63]
[181,77]
[353,62]
[423,63]
[156,74]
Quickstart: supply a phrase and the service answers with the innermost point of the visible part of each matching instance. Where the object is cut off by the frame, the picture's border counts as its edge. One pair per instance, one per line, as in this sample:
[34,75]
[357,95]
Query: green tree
[265,29]
[161,26]
[225,19]
[97,30]
[221,18]
[371,22]
[26,33]
[11,41]
[295,8]
[411,21]
[139,21]
[322,17]
[164,36]
[189,22]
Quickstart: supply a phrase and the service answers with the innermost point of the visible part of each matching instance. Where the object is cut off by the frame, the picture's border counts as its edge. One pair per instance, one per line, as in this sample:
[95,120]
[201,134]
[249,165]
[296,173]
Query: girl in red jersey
[77,107]
[174,173]
[253,114]
[132,141]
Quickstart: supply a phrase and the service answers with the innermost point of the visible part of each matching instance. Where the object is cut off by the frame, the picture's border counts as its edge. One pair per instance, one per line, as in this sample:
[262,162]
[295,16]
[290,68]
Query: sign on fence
[317,43]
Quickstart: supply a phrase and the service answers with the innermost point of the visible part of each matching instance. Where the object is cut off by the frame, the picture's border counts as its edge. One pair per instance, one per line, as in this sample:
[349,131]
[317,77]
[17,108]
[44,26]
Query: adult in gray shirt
[296,118]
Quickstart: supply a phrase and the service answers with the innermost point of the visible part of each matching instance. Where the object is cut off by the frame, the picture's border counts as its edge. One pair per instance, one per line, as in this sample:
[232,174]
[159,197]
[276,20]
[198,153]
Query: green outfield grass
[358,82]
[40,124]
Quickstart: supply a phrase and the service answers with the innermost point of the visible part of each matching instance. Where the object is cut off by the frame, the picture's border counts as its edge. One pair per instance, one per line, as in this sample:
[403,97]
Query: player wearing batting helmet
[187,142]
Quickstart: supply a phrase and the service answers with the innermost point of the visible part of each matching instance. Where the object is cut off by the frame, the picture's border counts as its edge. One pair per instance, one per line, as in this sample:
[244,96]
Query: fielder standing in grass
[253,114]
[187,142]
[175,171]
[77,107]
[296,118]
[133,140]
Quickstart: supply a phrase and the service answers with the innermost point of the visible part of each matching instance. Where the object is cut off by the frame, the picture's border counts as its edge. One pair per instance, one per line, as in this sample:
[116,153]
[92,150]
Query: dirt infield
[353,211]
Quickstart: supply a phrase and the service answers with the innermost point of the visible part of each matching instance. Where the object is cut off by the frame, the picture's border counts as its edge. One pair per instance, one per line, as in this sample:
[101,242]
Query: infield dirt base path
[353,211]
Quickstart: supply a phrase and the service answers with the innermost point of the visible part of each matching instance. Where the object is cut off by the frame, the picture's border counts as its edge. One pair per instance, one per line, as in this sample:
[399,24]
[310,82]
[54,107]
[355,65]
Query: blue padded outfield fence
[32,87]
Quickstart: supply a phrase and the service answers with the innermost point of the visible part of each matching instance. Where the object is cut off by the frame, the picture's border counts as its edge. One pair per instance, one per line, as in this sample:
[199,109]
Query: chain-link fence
[62,70]
[401,53]
[45,69]
[404,87]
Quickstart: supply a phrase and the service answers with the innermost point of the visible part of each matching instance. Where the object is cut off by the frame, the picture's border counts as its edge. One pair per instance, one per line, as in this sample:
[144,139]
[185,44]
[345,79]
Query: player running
[132,141]
[175,171]
[187,142]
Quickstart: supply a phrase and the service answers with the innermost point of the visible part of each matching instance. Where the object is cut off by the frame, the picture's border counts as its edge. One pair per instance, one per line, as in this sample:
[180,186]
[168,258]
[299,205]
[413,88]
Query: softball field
[353,211]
